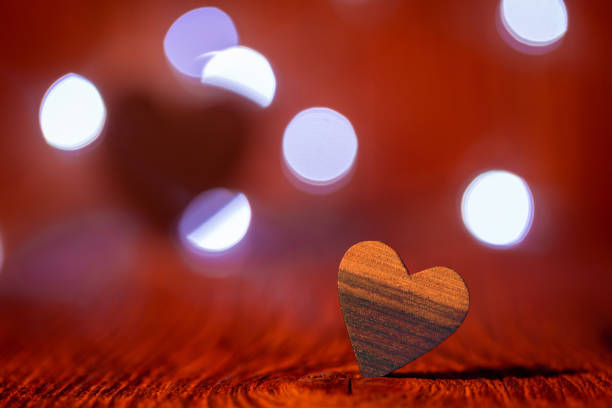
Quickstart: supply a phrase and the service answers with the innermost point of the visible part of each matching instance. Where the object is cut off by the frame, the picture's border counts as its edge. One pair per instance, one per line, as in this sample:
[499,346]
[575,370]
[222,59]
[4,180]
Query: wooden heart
[394,317]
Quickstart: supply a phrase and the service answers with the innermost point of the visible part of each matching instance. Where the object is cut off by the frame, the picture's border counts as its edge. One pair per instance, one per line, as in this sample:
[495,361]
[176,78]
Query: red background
[99,304]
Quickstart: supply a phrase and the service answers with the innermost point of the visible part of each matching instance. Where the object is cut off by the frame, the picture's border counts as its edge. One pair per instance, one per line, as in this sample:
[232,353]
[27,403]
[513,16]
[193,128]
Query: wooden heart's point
[394,317]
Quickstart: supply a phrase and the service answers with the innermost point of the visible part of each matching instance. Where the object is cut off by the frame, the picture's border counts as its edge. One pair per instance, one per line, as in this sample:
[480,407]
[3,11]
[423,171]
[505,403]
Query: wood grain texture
[184,342]
[392,317]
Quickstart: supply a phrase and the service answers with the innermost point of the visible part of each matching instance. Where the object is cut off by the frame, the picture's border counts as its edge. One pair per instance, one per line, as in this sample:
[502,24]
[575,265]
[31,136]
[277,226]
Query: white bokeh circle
[319,146]
[215,221]
[72,113]
[536,23]
[241,70]
[497,208]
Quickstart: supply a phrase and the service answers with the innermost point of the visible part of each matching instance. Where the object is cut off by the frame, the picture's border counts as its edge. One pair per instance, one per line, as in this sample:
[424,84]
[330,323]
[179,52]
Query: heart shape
[394,317]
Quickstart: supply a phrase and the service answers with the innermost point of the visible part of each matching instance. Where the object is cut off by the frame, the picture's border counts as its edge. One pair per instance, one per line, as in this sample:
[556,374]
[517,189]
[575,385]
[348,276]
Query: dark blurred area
[92,271]
[165,158]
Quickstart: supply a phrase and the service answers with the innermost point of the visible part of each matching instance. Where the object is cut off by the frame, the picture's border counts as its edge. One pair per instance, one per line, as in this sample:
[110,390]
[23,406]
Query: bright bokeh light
[319,146]
[497,208]
[535,23]
[215,221]
[196,33]
[244,71]
[72,113]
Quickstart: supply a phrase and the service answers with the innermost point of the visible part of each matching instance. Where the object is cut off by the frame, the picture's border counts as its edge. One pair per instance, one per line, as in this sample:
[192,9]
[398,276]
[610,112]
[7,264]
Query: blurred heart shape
[394,317]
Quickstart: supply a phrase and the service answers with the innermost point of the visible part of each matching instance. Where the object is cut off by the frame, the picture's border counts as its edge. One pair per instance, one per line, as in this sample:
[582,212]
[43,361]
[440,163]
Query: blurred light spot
[497,208]
[215,221]
[243,71]
[72,113]
[536,23]
[319,146]
[196,33]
